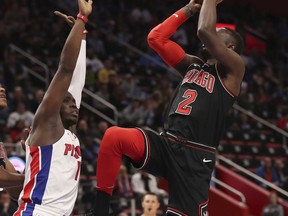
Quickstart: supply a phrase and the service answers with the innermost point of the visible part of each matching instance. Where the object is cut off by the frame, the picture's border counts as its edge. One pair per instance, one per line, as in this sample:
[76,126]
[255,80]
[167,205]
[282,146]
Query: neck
[71,128]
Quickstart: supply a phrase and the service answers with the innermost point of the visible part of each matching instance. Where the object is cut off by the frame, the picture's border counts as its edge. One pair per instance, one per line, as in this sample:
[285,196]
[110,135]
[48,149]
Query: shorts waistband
[182,140]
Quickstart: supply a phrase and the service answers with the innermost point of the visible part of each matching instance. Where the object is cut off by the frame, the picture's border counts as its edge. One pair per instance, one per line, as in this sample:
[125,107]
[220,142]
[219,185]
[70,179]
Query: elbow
[205,33]
[202,32]
[153,39]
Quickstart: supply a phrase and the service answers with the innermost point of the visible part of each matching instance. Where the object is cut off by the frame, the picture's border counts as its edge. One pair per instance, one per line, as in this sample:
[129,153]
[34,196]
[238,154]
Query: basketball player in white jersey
[53,156]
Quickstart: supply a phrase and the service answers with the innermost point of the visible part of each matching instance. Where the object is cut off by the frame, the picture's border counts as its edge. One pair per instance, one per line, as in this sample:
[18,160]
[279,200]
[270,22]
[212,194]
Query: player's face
[150,204]
[69,112]
[226,38]
[3,100]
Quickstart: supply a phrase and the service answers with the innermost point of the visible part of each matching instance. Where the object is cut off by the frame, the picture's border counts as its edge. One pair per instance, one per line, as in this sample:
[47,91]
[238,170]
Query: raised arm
[49,109]
[79,74]
[168,50]
[221,47]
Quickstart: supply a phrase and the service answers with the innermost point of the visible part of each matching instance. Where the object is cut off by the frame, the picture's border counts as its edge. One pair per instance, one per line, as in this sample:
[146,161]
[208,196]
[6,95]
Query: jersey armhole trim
[222,83]
[195,63]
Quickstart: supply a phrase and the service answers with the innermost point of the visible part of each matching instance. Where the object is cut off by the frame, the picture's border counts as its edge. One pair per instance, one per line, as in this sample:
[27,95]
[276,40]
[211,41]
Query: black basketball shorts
[186,165]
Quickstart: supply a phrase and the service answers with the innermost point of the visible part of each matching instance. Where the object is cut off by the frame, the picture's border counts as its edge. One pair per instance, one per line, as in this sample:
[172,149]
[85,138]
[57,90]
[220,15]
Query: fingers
[58,13]
[90,2]
[71,19]
[85,7]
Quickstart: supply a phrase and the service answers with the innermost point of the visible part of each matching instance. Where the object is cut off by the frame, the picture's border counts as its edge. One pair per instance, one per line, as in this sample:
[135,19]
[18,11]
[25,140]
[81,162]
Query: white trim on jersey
[147,148]
[222,83]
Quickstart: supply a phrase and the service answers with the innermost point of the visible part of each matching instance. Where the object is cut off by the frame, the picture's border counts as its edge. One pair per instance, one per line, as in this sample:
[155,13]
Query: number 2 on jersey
[184,107]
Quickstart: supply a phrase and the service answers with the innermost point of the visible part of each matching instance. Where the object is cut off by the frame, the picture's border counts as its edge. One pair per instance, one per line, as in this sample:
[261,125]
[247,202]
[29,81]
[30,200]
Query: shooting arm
[168,50]
[227,57]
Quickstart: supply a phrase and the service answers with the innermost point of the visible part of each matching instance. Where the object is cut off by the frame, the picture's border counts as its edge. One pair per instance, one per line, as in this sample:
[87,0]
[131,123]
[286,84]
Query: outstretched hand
[69,19]
[85,7]
[195,5]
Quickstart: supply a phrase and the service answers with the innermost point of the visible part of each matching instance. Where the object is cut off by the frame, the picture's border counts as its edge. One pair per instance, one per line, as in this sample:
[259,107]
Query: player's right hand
[85,7]
[195,5]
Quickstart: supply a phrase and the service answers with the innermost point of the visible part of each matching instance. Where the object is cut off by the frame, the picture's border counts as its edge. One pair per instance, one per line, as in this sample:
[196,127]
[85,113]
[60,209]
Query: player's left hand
[69,19]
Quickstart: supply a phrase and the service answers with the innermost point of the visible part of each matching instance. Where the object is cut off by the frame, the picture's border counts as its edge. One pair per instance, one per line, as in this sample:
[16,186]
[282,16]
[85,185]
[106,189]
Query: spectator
[82,130]
[123,183]
[148,114]
[143,182]
[21,113]
[14,73]
[16,131]
[89,149]
[283,120]
[94,64]
[34,103]
[104,73]
[268,172]
[131,113]
[129,86]
[150,204]
[18,96]
[102,127]
[273,208]
[282,173]
[102,92]
[8,206]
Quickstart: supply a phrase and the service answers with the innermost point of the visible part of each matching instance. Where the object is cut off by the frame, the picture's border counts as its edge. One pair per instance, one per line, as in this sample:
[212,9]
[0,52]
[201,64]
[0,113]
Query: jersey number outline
[78,170]
[184,107]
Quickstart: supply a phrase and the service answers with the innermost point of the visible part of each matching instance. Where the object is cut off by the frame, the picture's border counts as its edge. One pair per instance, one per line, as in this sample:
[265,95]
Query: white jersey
[51,178]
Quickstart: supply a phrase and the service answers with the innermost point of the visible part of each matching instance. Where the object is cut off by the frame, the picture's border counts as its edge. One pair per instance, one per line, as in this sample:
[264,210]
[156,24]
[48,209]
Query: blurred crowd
[123,70]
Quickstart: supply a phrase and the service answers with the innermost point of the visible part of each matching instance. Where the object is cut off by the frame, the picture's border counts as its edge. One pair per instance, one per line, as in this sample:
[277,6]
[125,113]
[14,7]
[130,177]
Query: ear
[158,205]
[232,46]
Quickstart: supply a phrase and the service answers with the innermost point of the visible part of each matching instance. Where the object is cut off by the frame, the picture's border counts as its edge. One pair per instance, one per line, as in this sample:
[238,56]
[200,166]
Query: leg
[116,142]
[189,180]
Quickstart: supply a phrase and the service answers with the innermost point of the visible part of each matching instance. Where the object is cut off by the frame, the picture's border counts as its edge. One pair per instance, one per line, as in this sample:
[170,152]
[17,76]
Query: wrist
[189,9]
[82,17]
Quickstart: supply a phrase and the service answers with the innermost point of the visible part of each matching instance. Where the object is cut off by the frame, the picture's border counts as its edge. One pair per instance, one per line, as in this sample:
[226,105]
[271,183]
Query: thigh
[189,179]
[157,150]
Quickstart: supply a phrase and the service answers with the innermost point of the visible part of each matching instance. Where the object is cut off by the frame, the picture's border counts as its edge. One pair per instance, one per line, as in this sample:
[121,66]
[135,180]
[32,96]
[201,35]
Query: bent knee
[111,137]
